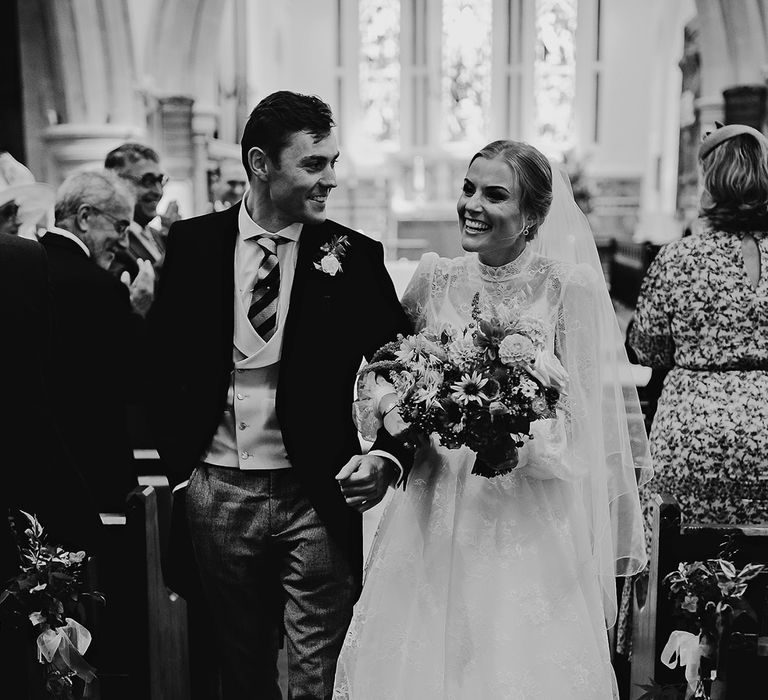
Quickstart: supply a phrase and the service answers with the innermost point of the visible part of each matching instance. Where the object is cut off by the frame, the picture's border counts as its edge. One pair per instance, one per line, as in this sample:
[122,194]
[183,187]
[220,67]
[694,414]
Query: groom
[263,315]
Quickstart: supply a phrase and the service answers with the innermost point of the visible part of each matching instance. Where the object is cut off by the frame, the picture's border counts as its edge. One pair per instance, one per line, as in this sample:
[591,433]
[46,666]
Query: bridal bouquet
[47,595]
[481,386]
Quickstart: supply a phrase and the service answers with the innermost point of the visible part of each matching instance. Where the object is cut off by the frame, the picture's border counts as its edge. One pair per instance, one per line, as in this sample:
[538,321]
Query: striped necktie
[262,313]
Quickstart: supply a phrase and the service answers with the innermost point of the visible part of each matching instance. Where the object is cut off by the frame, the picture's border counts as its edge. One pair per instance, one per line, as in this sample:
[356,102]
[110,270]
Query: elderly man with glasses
[139,167]
[98,330]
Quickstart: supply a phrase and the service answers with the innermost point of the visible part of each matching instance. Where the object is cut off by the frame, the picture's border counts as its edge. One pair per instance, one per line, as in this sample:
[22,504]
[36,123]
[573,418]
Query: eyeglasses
[9,210]
[120,225]
[149,180]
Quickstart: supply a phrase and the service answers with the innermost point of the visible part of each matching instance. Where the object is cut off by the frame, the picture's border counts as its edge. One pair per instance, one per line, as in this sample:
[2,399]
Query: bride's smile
[490,220]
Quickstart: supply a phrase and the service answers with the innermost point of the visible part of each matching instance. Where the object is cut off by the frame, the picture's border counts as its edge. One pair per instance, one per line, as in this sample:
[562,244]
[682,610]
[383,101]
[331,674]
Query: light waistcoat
[249,436]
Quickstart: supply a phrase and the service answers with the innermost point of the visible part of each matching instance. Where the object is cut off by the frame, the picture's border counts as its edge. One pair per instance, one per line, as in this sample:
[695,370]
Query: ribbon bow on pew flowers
[710,596]
[48,593]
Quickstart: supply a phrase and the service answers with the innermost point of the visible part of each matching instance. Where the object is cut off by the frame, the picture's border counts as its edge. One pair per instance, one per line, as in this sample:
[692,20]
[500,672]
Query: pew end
[652,614]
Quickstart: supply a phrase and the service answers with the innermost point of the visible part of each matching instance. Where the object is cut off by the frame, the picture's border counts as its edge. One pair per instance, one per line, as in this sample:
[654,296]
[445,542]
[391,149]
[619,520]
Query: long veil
[611,430]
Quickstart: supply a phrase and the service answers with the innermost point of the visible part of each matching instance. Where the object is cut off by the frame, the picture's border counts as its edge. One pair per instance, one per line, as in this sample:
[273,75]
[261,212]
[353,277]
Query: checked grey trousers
[265,558]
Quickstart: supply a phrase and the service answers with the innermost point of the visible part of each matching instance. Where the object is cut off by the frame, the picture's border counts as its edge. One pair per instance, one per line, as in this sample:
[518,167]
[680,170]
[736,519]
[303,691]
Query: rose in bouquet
[480,386]
[48,595]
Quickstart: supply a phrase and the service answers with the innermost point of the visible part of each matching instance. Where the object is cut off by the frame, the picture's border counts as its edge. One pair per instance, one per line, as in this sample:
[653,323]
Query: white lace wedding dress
[497,588]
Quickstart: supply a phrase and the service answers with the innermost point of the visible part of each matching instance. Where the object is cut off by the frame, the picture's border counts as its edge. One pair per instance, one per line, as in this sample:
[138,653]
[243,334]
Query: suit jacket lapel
[224,283]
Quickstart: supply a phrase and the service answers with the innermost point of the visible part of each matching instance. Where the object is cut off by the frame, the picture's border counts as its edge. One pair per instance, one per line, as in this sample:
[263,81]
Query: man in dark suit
[98,327]
[37,474]
[139,167]
[263,315]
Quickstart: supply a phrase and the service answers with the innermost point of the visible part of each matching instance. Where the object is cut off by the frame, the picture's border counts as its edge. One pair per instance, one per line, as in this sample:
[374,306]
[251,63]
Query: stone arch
[181,51]
[79,76]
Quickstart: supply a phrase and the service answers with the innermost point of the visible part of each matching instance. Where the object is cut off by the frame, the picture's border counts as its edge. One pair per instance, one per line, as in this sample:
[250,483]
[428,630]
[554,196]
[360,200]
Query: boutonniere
[331,255]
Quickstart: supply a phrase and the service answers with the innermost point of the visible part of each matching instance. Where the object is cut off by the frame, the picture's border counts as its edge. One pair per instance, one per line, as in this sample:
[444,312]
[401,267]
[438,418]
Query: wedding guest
[230,185]
[240,354]
[702,316]
[38,476]
[98,328]
[139,166]
[23,202]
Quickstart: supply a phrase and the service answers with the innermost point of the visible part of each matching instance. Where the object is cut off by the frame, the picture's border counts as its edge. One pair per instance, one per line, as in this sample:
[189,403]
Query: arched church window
[555,75]
[466,70]
[379,77]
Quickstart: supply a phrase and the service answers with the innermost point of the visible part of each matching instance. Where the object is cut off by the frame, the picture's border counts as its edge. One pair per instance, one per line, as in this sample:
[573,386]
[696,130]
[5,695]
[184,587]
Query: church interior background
[619,91]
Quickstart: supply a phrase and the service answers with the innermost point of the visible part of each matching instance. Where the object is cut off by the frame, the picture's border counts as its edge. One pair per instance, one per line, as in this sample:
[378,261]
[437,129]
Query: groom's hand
[364,480]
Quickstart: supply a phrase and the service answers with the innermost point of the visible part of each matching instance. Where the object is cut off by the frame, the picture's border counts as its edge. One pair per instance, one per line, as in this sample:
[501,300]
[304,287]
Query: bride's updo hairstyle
[734,167]
[532,175]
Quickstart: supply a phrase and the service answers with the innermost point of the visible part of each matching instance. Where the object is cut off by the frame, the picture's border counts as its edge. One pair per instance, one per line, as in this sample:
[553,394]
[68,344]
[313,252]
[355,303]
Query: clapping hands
[142,289]
[169,216]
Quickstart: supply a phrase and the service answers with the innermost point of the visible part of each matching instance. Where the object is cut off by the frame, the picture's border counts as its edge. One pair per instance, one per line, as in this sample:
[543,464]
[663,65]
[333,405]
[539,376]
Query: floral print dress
[700,315]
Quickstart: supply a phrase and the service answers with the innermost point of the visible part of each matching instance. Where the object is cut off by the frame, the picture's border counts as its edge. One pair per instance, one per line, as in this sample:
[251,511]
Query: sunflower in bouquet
[480,386]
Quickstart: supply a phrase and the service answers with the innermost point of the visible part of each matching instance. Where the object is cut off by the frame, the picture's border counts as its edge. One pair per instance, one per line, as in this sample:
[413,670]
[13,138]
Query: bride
[503,587]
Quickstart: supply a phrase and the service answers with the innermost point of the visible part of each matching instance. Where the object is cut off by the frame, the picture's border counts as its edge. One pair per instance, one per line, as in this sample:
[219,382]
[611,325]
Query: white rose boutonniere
[333,253]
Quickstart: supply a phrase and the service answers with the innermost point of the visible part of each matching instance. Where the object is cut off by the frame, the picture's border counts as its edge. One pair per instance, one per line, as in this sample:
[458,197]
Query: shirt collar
[250,229]
[72,237]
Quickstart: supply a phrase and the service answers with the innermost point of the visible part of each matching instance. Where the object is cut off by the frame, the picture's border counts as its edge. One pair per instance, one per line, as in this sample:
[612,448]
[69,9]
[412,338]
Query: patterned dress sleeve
[651,332]
[418,293]
[548,455]
[372,388]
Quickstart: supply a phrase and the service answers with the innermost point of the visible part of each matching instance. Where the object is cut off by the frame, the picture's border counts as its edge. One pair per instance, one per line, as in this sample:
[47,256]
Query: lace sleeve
[651,333]
[372,388]
[417,297]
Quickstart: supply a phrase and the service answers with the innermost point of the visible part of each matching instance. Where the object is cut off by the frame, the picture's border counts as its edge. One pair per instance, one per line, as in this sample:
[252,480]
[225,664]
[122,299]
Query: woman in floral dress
[703,312]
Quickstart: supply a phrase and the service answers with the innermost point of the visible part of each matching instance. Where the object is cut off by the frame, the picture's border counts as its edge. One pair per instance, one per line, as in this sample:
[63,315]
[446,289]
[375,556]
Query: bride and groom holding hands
[475,587]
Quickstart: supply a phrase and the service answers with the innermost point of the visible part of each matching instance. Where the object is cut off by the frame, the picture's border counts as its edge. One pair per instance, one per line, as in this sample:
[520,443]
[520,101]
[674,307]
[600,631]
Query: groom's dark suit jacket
[332,323]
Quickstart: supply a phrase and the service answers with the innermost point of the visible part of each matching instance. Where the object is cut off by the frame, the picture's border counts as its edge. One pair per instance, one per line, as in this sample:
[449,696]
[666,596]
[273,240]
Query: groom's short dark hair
[280,115]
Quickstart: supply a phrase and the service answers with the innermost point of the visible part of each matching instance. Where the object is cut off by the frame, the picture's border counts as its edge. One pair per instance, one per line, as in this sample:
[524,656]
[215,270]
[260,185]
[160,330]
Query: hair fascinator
[721,134]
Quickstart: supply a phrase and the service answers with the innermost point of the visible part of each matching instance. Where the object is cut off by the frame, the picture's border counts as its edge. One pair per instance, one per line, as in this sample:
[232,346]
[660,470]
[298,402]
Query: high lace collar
[504,272]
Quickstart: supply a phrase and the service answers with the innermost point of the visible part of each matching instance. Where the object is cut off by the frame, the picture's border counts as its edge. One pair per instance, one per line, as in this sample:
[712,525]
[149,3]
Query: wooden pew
[652,614]
[203,663]
[140,637]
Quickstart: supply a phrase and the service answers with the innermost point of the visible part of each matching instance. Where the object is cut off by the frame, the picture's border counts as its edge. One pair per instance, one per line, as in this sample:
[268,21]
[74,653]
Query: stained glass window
[466,70]
[555,75]
[380,67]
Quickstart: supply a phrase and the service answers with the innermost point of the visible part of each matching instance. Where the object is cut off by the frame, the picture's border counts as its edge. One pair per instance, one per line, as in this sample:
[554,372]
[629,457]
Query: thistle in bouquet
[47,596]
[480,386]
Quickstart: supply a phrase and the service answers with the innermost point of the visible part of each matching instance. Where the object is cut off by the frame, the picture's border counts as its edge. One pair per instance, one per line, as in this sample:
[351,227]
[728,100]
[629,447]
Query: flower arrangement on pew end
[480,386]
[48,595]
[709,598]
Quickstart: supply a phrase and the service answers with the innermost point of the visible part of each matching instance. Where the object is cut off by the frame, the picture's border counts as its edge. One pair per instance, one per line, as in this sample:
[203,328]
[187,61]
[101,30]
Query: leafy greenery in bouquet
[48,595]
[481,386]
